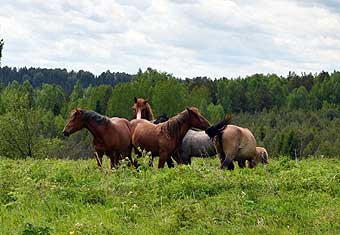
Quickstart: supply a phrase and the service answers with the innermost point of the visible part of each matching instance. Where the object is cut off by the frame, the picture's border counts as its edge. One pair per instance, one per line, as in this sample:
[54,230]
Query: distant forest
[66,80]
[296,115]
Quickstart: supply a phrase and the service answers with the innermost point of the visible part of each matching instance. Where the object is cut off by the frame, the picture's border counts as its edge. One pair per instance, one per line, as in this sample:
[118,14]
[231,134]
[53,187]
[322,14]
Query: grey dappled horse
[196,144]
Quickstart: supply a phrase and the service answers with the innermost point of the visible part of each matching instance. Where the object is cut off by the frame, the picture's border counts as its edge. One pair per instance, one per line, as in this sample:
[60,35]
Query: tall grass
[75,197]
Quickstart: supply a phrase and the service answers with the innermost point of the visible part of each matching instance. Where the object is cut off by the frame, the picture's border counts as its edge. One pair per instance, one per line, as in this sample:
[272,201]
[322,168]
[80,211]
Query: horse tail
[218,127]
[222,154]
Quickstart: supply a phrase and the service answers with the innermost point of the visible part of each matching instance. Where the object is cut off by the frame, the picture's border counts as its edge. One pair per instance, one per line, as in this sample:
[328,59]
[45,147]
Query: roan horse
[111,136]
[196,144]
[164,139]
[235,143]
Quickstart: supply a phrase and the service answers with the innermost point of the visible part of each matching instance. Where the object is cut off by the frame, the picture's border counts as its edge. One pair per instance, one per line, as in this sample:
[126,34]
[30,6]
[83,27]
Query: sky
[187,38]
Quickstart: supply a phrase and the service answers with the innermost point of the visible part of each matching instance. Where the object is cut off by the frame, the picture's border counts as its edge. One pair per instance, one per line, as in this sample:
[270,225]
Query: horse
[164,139]
[261,156]
[196,144]
[111,136]
[142,109]
[234,143]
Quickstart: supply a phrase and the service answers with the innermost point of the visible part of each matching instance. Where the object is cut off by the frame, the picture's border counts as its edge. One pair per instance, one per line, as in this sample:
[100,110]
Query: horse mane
[173,125]
[88,115]
[150,115]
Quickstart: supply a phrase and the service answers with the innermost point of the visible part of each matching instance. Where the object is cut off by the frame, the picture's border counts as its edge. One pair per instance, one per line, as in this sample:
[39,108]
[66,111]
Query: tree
[169,97]
[199,93]
[20,125]
[50,98]
[215,113]
[298,99]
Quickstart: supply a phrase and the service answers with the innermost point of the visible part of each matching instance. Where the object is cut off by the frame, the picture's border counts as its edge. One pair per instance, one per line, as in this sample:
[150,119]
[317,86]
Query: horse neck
[183,125]
[93,127]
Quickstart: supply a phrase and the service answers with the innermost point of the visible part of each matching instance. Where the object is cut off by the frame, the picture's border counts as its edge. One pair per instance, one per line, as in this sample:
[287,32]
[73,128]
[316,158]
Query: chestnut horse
[142,109]
[164,139]
[111,136]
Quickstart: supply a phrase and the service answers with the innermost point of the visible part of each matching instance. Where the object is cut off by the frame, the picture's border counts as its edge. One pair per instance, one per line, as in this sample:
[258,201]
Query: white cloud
[187,38]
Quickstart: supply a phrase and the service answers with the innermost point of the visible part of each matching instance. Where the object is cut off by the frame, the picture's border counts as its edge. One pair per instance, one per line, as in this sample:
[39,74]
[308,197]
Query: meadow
[75,197]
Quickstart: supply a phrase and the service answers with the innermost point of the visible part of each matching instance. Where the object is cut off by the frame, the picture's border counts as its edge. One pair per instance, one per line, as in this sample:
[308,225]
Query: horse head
[142,109]
[196,119]
[74,123]
[264,156]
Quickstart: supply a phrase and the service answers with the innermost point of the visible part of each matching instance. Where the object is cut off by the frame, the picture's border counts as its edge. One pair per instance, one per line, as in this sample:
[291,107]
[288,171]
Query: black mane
[92,115]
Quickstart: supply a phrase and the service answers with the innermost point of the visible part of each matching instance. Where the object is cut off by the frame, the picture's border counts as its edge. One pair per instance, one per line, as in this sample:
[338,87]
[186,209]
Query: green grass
[75,197]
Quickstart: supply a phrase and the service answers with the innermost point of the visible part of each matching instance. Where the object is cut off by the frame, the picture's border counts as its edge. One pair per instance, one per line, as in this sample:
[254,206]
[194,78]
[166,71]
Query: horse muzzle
[65,133]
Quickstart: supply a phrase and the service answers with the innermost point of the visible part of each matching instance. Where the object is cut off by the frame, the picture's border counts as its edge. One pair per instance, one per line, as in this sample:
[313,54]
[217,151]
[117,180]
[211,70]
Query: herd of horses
[176,138]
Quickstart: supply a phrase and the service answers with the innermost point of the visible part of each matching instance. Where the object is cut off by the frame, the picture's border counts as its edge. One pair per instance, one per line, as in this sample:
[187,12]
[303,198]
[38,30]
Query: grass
[75,197]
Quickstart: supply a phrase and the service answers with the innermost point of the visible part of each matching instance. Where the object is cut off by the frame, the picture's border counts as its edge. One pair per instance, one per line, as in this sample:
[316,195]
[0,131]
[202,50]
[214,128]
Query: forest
[297,115]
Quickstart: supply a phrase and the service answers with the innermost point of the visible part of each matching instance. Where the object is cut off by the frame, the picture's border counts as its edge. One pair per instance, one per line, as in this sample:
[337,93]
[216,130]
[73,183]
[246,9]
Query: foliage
[75,197]
[295,116]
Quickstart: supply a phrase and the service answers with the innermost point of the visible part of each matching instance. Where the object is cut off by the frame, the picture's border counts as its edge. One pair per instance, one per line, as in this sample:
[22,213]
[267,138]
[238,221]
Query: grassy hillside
[75,197]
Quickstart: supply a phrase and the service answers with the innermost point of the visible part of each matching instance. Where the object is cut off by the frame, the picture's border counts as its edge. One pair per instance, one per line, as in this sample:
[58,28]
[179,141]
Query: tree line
[297,115]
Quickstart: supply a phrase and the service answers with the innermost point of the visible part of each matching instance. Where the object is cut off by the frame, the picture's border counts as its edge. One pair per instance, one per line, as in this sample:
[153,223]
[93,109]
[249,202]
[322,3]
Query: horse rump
[218,127]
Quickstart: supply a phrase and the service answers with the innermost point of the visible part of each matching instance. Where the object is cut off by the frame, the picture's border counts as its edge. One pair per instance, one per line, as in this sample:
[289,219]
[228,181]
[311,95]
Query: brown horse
[164,139]
[142,109]
[111,136]
[235,143]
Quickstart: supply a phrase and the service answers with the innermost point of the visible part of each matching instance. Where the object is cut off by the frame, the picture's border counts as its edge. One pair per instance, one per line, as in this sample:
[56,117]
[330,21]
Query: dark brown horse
[164,139]
[111,136]
[142,109]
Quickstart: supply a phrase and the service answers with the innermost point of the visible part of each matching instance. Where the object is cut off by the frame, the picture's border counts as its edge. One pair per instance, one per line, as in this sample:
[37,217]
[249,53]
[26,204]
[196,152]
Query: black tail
[218,127]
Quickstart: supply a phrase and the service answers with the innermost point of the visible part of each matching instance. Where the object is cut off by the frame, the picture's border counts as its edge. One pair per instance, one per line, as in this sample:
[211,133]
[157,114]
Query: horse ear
[146,101]
[135,99]
[77,112]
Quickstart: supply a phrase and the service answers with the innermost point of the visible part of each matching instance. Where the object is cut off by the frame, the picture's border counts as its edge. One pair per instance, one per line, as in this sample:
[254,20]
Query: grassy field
[75,197]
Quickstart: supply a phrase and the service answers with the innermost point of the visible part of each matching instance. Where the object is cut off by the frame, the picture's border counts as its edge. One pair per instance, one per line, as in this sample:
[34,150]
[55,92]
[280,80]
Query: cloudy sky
[187,38]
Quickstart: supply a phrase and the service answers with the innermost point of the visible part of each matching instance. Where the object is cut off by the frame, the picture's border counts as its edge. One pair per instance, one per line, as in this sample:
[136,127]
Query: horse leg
[252,163]
[170,162]
[151,162]
[132,161]
[177,157]
[114,159]
[99,158]
[228,162]
[222,157]
[162,158]
[241,163]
